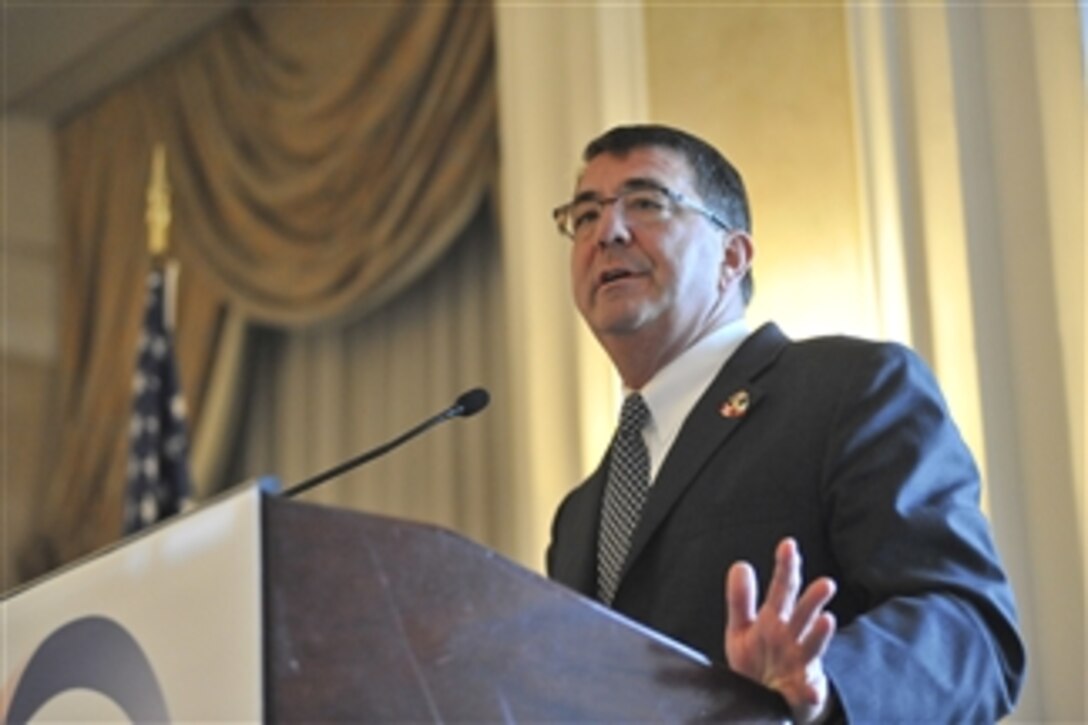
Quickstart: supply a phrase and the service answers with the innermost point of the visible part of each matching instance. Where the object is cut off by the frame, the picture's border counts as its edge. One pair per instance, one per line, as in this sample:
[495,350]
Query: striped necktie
[624,494]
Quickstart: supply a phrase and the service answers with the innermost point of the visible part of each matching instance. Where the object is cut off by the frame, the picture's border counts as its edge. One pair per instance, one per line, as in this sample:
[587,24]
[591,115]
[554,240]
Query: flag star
[151,424]
[139,383]
[151,467]
[135,426]
[177,406]
[175,446]
[158,347]
[149,508]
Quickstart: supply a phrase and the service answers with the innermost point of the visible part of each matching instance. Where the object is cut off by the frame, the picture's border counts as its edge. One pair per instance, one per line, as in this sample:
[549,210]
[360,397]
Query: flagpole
[158,205]
[158,229]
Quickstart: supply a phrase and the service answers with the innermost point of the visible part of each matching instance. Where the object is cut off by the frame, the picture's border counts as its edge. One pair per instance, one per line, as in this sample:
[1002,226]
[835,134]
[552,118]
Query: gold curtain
[319,396]
[321,158]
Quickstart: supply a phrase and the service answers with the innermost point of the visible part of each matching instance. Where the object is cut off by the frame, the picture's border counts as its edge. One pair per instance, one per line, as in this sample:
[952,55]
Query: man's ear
[737,259]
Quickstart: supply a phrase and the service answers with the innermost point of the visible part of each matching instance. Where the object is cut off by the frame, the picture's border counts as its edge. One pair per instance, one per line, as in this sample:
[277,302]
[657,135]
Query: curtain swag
[321,158]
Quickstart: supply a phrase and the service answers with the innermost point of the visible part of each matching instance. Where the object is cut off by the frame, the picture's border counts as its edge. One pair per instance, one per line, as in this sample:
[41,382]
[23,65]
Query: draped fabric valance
[330,152]
[320,157]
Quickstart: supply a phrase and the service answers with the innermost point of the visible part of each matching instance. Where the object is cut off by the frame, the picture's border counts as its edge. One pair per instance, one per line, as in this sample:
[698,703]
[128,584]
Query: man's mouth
[611,275]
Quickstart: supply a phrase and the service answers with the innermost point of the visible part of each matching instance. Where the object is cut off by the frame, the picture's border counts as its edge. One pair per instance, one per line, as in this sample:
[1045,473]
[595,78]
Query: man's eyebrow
[637,182]
[642,182]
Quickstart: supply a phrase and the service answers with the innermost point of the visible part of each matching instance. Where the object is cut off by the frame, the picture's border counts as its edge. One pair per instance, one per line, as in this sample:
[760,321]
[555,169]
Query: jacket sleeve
[935,638]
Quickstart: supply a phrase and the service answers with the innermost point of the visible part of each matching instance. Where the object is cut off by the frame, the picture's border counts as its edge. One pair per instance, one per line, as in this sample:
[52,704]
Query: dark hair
[716,180]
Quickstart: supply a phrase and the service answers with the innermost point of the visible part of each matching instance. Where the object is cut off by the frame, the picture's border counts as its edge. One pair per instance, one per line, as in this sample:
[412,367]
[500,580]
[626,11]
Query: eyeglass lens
[638,207]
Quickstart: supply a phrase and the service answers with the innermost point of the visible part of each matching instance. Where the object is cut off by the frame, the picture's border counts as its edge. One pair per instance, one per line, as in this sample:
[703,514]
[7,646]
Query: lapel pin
[736,406]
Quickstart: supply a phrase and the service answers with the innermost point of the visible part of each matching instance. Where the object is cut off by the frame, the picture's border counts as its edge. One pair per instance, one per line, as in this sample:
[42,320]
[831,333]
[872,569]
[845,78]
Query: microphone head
[472,402]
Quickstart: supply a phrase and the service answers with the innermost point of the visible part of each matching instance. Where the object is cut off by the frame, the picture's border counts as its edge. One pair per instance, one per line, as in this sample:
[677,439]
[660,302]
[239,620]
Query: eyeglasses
[640,206]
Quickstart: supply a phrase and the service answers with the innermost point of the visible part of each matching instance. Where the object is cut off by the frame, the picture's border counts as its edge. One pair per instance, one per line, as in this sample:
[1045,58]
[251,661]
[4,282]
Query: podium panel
[382,620]
[255,607]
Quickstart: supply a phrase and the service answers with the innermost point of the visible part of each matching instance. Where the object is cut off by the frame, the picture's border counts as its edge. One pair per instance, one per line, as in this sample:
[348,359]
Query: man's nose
[611,227]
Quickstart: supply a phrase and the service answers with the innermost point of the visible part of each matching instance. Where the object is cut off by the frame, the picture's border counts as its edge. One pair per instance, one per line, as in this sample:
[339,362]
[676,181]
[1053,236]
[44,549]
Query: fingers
[812,602]
[785,581]
[815,641]
[782,644]
[807,622]
[740,594]
[801,614]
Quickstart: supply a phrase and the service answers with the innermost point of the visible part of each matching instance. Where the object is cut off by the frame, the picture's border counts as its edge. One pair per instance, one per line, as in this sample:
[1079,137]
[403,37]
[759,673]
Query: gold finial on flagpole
[158,205]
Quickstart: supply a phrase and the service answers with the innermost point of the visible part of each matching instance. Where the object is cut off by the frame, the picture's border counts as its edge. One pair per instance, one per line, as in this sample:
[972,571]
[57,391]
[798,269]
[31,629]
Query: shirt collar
[674,390]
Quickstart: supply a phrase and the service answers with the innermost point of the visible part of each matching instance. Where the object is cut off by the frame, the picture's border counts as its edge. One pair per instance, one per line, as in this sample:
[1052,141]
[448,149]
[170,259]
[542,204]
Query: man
[738,446]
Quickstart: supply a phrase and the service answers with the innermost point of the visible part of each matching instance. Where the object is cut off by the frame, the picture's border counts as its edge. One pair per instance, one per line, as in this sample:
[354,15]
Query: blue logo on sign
[91,653]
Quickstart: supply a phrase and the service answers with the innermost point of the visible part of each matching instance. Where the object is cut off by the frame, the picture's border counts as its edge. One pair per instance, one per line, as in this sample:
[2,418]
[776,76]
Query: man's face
[667,280]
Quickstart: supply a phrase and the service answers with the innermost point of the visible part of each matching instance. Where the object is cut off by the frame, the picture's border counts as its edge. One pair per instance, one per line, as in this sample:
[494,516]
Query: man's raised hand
[782,644]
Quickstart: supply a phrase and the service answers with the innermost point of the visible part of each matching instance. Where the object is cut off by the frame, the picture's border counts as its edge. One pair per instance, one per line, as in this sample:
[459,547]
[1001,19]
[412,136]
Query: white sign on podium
[165,627]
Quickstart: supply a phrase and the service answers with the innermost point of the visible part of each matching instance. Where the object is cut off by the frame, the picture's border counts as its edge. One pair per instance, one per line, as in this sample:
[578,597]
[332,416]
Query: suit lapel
[705,430]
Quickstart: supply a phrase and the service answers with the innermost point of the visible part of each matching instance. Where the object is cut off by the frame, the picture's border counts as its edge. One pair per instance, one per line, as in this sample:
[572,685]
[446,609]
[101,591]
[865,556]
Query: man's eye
[644,201]
[584,215]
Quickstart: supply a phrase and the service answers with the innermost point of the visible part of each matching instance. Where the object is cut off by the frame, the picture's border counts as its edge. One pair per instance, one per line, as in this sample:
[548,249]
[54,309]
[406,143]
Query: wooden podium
[346,616]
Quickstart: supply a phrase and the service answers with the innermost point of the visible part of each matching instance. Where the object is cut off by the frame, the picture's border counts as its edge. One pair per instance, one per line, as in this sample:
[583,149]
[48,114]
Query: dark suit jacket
[847,446]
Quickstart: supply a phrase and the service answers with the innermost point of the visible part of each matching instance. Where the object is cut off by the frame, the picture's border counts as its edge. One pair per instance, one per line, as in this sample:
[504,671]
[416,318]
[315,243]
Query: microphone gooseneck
[467,404]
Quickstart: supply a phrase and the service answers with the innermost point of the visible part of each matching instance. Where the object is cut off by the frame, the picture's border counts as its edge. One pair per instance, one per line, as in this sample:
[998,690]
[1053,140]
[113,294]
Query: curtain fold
[320,396]
[332,191]
[321,158]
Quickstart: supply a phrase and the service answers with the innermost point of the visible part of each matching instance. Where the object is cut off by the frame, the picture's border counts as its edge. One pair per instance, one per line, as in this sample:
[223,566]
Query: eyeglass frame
[563,211]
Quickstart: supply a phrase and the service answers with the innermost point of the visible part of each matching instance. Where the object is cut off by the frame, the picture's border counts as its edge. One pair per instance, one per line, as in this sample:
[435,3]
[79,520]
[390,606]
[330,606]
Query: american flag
[159,484]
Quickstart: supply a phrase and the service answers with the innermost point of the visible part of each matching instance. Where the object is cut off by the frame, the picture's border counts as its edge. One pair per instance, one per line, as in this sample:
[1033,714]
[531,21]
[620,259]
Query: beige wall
[771,88]
[916,172]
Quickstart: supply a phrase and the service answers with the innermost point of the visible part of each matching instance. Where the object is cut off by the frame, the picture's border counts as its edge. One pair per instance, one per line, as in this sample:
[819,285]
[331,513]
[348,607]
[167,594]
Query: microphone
[468,403]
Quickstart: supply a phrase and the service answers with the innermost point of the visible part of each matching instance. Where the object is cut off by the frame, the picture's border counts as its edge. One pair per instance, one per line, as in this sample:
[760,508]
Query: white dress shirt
[674,390]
